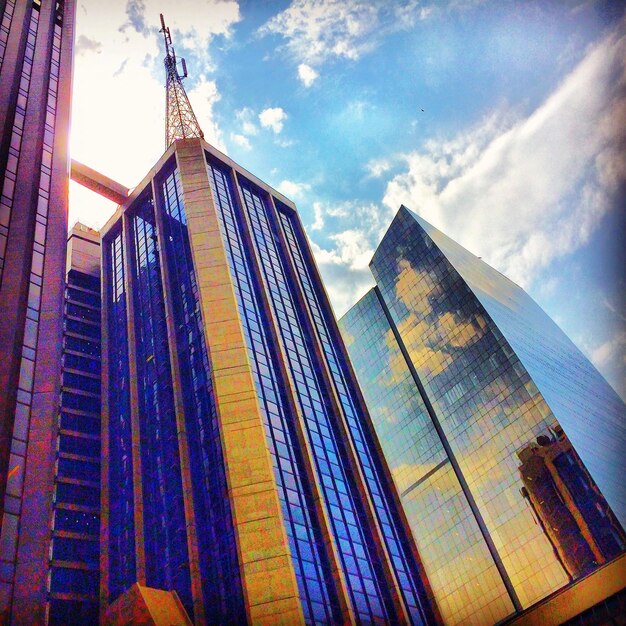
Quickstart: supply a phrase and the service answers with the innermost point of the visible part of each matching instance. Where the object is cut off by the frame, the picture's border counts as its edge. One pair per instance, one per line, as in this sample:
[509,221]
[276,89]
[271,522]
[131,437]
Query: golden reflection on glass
[487,413]
[491,412]
[465,581]
[462,573]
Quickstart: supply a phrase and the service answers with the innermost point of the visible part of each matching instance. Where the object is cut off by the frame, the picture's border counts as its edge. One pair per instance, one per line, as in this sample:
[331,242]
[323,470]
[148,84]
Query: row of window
[17,459]
[17,131]
[218,563]
[121,548]
[317,596]
[165,536]
[392,530]
[77,467]
[5,27]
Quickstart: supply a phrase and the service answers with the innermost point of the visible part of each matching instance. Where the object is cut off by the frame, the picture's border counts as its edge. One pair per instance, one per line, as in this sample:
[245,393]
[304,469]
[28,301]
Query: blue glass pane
[219,569]
[121,497]
[314,580]
[165,534]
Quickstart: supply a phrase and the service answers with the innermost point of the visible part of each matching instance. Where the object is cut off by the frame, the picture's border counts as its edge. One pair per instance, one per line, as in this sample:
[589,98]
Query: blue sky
[502,123]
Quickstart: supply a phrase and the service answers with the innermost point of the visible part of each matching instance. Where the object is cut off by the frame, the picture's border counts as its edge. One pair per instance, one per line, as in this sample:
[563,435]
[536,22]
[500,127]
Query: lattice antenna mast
[180,120]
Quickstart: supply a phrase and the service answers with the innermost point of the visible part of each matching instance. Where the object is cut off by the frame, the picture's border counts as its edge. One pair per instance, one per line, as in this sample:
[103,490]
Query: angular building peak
[506,445]
[579,396]
[243,470]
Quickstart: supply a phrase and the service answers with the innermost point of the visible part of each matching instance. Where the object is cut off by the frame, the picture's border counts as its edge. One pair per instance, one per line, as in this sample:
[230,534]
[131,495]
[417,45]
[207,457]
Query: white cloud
[193,24]
[318,222]
[347,209]
[84,45]
[203,98]
[548,286]
[377,167]
[353,249]
[357,229]
[118,109]
[319,30]
[241,140]
[307,74]
[616,346]
[517,190]
[284,143]
[273,118]
[246,117]
[344,268]
[522,191]
[293,189]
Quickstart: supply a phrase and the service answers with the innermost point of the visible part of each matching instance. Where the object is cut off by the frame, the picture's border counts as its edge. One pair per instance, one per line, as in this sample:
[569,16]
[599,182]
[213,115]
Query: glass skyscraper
[75,544]
[240,466]
[36,41]
[506,445]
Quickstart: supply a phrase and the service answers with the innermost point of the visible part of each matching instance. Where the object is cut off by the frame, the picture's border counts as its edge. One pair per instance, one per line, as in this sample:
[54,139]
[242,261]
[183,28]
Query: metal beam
[98,182]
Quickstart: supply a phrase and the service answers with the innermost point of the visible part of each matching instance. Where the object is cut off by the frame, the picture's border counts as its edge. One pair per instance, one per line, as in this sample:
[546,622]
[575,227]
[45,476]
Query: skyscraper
[75,526]
[240,466]
[36,42]
[503,440]
[568,505]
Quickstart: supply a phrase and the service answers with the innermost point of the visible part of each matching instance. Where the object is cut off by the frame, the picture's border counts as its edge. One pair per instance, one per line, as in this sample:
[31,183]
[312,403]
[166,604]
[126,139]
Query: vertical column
[342,353]
[11,68]
[129,258]
[105,280]
[30,591]
[17,255]
[312,478]
[400,609]
[268,577]
[181,430]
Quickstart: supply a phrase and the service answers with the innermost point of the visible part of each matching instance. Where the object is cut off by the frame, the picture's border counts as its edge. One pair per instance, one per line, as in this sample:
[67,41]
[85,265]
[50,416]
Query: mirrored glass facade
[503,507]
[460,567]
[587,407]
[244,392]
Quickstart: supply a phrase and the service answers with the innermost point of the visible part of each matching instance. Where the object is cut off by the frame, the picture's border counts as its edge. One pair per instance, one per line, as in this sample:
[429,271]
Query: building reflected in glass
[499,433]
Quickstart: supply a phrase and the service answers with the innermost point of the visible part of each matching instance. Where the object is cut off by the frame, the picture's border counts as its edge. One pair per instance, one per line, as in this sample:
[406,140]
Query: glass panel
[165,532]
[121,524]
[309,560]
[502,432]
[218,563]
[385,508]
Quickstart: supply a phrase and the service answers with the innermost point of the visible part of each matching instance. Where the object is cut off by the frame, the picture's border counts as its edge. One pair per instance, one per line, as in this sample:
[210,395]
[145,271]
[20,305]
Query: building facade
[240,467]
[505,443]
[36,40]
[73,582]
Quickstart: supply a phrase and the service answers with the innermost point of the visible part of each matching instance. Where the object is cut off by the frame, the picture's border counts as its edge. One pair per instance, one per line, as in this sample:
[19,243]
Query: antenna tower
[180,120]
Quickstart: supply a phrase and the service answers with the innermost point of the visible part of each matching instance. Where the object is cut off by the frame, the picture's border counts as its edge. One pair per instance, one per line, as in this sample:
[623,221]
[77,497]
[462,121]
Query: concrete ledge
[570,601]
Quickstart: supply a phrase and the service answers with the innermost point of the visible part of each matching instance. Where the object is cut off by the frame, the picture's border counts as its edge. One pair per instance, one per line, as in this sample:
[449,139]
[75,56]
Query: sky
[501,123]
